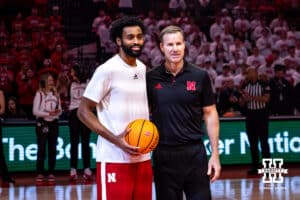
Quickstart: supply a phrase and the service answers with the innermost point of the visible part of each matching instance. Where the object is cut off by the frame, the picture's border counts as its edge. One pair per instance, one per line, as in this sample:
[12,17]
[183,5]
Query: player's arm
[86,115]
[212,125]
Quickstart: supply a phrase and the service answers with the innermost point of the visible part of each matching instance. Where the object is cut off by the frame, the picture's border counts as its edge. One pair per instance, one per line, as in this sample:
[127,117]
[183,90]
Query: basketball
[143,134]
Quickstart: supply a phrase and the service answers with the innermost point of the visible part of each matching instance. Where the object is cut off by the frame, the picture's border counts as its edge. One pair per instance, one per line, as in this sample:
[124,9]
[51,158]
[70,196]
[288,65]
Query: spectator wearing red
[66,66]
[47,68]
[33,20]
[22,57]
[27,86]
[6,79]
[19,37]
[3,30]
[41,5]
[55,37]
[56,57]
[19,21]
[266,7]
[283,5]
[56,18]
[4,36]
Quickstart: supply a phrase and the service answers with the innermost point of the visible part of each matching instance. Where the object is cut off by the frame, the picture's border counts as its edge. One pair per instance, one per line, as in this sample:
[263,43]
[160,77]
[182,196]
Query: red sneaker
[51,179]
[40,180]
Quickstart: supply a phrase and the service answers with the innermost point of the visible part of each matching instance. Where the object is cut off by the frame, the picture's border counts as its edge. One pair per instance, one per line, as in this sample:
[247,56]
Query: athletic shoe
[51,179]
[88,174]
[73,174]
[39,180]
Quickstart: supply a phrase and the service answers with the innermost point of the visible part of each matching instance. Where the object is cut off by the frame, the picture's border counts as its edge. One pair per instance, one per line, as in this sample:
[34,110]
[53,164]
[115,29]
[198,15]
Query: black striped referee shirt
[257,88]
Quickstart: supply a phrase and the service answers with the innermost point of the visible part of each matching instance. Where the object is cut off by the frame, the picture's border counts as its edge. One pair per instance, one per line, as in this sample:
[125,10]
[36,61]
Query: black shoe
[252,172]
[8,180]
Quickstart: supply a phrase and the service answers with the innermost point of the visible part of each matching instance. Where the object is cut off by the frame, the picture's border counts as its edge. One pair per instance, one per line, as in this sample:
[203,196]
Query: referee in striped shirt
[255,95]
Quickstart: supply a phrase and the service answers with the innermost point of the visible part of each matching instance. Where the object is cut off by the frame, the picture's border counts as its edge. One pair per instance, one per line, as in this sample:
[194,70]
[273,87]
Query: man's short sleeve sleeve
[208,96]
[99,85]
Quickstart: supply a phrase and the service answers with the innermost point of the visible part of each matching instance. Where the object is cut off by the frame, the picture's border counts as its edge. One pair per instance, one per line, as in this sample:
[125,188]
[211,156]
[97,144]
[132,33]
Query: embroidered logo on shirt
[158,86]
[191,85]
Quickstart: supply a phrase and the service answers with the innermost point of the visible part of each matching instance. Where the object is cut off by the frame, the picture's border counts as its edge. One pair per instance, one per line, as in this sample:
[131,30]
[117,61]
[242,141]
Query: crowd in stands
[29,47]
[225,43]
[238,38]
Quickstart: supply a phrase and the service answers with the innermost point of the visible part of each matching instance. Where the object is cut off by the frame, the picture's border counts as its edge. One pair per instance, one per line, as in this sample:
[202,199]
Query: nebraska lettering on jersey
[190,85]
[51,102]
[111,177]
[78,91]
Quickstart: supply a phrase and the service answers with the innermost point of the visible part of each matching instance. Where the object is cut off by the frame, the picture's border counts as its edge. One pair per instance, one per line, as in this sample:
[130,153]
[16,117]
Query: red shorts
[126,181]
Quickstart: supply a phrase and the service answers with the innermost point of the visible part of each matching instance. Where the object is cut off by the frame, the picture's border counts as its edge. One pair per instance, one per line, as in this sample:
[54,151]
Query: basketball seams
[140,133]
[127,138]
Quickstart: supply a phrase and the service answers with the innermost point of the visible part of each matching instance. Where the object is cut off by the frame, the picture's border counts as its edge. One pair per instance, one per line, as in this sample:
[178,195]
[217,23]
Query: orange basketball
[143,134]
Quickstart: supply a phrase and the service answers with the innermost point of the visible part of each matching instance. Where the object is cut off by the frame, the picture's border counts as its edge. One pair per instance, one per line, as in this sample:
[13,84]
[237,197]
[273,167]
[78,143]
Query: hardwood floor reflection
[224,189]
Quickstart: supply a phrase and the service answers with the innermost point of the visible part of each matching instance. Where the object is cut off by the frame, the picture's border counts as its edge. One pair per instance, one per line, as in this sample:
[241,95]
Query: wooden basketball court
[233,185]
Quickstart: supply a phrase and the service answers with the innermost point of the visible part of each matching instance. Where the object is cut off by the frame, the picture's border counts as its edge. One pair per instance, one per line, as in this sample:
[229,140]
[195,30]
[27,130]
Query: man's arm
[264,98]
[212,125]
[86,115]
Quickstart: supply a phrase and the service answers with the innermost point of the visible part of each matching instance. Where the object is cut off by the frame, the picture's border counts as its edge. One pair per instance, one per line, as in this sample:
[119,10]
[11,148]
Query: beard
[132,53]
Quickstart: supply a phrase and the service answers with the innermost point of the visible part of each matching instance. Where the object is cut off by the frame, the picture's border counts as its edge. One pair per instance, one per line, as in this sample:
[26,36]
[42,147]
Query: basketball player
[118,91]
[180,95]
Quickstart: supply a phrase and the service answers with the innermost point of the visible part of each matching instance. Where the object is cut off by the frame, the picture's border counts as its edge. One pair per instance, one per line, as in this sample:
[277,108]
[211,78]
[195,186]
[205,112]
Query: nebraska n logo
[111,177]
[190,85]
[272,170]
